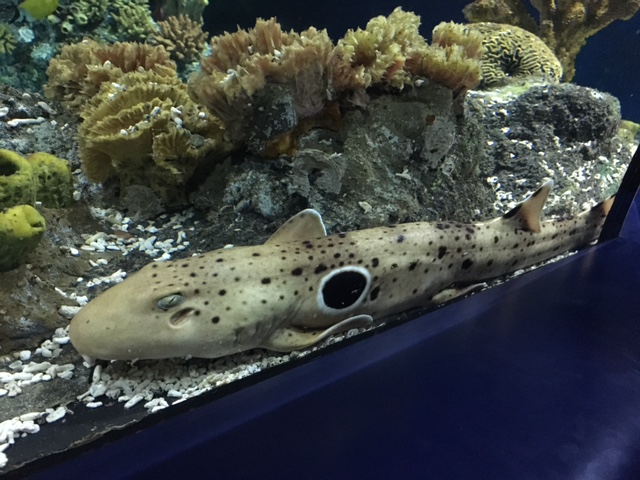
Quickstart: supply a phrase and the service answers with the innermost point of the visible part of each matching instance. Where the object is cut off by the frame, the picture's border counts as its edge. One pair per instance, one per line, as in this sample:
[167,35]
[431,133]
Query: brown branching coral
[182,37]
[147,131]
[564,25]
[389,52]
[76,74]
[244,62]
[8,40]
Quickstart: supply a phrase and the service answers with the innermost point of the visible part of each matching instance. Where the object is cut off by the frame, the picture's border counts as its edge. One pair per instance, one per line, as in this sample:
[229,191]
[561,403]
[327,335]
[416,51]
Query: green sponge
[17,183]
[21,229]
[54,184]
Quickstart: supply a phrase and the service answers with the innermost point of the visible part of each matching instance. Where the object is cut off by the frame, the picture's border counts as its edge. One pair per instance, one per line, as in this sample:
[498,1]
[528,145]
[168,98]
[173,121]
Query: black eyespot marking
[215,319]
[263,301]
[185,265]
[466,265]
[196,291]
[343,289]
[320,268]
[219,260]
[192,274]
[296,271]
[255,254]
[155,265]
[266,281]
[222,293]
[336,255]
[495,239]
[375,262]
[400,238]
[516,245]
[374,293]
[206,302]
[442,251]
[413,265]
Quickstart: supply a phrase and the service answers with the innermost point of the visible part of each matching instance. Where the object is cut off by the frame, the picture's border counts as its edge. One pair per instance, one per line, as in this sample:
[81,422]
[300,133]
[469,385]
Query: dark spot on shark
[457,238]
[215,319]
[193,274]
[155,265]
[400,238]
[413,265]
[265,281]
[496,239]
[467,236]
[490,262]
[219,260]
[459,250]
[352,255]
[439,226]
[375,262]
[336,255]
[185,265]
[470,229]
[296,272]
[320,268]
[206,302]
[263,301]
[516,245]
[342,235]
[154,275]
[196,291]
[222,293]
[467,264]
[442,251]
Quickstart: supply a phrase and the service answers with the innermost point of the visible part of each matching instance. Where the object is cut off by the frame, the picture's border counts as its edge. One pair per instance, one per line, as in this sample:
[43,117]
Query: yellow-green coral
[146,130]
[8,40]
[17,183]
[182,37]
[390,52]
[133,19]
[564,26]
[21,229]
[512,52]
[76,73]
[192,8]
[83,12]
[54,183]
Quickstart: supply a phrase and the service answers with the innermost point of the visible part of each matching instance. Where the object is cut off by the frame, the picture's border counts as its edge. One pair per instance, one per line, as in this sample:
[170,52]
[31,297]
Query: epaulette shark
[303,285]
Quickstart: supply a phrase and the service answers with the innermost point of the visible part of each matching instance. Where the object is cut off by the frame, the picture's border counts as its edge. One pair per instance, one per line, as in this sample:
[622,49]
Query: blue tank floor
[535,378]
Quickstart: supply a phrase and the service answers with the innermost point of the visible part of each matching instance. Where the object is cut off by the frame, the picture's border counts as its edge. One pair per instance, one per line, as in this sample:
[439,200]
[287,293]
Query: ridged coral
[8,40]
[76,74]
[242,63]
[146,130]
[182,37]
[21,229]
[512,52]
[564,26]
[17,185]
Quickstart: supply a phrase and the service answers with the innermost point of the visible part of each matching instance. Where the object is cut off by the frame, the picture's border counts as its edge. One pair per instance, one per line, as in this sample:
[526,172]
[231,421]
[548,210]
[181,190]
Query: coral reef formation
[191,8]
[76,74]
[8,40]
[265,72]
[390,50]
[512,52]
[182,37]
[53,180]
[146,130]
[17,184]
[21,229]
[134,19]
[564,26]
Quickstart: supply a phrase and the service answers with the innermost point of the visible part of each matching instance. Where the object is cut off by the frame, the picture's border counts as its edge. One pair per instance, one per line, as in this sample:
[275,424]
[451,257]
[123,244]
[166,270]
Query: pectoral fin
[453,293]
[288,339]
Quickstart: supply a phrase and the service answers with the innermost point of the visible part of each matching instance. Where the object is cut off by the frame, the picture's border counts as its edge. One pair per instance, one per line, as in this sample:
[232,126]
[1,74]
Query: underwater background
[116,155]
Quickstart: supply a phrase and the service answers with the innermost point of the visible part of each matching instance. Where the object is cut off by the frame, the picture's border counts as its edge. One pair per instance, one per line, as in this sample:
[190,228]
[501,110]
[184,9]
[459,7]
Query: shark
[302,285]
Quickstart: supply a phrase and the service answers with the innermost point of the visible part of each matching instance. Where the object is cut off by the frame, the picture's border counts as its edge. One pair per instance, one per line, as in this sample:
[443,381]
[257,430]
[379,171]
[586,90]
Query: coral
[242,63]
[54,183]
[390,52]
[182,37]
[192,8]
[76,74]
[564,26]
[17,184]
[146,130]
[84,12]
[512,52]
[8,40]
[21,229]
[133,19]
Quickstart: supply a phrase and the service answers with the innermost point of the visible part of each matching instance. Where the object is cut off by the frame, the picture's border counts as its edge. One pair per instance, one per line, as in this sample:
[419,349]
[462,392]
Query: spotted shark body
[303,285]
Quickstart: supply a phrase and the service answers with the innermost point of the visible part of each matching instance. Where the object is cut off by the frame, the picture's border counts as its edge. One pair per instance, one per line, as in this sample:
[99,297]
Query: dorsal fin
[526,215]
[303,225]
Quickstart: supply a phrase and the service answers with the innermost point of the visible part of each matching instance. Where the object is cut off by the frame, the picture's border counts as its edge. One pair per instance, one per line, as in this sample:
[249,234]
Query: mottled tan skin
[271,295]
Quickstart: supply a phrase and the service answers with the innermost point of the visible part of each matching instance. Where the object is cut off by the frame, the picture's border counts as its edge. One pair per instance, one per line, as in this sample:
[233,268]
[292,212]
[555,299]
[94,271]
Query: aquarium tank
[197,196]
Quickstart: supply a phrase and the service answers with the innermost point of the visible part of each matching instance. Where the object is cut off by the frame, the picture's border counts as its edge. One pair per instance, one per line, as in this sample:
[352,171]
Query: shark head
[196,306]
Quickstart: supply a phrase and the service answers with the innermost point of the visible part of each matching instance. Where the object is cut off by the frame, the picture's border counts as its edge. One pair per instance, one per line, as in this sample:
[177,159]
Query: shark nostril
[181,316]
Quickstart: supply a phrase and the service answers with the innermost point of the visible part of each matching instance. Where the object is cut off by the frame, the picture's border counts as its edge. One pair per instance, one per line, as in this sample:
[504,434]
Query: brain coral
[146,130]
[75,75]
[514,52]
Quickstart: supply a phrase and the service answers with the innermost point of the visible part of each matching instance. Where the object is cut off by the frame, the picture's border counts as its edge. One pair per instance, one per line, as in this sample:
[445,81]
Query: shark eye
[170,301]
